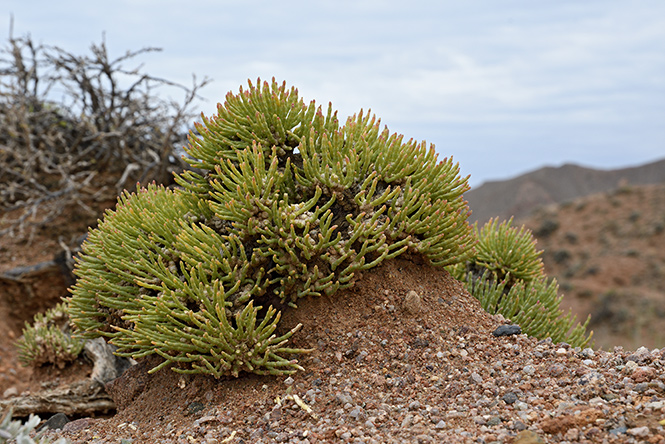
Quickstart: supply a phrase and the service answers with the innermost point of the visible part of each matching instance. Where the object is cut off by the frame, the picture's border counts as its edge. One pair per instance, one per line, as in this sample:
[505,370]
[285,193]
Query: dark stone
[419,343]
[507,330]
[509,398]
[55,422]
[194,407]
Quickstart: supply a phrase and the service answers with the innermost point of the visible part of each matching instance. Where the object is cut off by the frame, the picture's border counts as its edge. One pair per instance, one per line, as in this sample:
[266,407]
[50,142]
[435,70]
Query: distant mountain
[520,196]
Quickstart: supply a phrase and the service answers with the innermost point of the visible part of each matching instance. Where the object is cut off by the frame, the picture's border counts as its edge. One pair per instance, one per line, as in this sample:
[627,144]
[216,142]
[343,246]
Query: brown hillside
[607,251]
[520,196]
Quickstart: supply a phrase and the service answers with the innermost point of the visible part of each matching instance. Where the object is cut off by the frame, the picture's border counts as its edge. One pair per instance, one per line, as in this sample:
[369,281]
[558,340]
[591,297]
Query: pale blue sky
[504,86]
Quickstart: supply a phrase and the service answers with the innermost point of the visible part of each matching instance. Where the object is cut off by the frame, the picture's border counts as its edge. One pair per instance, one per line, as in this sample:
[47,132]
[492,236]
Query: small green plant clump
[506,275]
[48,341]
[282,202]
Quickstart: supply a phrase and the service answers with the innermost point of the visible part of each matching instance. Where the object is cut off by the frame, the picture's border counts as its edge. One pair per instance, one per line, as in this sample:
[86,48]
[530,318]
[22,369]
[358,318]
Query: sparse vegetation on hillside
[608,253]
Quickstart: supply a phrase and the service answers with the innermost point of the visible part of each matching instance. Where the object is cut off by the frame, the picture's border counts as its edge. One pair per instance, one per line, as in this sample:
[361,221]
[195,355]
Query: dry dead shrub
[107,131]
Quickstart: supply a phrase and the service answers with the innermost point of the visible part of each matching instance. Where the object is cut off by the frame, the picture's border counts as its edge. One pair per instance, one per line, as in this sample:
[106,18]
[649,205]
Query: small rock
[521,405]
[344,398]
[55,422]
[641,356]
[440,425]
[288,381]
[591,378]
[528,437]
[643,374]
[519,425]
[415,405]
[618,430]
[276,413]
[507,330]
[77,424]
[630,367]
[509,398]
[194,407]
[475,377]
[412,303]
[641,432]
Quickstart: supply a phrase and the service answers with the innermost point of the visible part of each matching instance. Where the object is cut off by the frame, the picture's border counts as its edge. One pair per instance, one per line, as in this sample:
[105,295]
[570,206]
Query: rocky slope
[607,251]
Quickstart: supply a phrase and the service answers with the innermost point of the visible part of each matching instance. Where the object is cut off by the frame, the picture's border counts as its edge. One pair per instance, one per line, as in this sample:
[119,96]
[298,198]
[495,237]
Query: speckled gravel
[435,376]
[438,389]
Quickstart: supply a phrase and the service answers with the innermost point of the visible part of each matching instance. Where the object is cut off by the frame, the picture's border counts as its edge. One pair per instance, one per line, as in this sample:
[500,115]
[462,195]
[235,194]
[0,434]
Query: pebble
[521,405]
[355,413]
[528,437]
[507,330]
[509,398]
[415,405]
[638,431]
[344,398]
[412,303]
[475,377]
[77,424]
[55,422]
[641,356]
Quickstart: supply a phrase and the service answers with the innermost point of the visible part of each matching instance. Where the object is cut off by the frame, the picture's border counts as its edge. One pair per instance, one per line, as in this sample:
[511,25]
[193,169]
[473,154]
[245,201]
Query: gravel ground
[394,367]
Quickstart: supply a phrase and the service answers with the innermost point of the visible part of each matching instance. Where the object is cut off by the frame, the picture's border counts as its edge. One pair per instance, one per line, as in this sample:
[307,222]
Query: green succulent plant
[282,203]
[48,341]
[506,275]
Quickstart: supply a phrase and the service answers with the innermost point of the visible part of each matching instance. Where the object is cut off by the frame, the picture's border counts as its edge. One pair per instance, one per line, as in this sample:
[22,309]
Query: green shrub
[47,340]
[506,276]
[282,203]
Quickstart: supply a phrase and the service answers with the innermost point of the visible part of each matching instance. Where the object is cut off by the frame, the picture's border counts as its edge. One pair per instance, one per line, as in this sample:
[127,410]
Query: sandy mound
[391,365]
